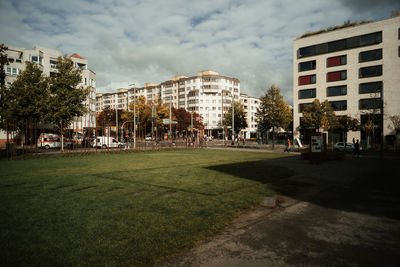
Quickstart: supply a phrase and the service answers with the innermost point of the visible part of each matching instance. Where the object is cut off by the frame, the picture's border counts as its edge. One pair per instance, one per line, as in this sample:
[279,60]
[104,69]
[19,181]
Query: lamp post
[233,119]
[134,116]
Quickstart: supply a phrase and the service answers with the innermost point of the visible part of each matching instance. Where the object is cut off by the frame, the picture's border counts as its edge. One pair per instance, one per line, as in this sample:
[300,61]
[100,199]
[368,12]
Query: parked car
[148,137]
[106,142]
[342,146]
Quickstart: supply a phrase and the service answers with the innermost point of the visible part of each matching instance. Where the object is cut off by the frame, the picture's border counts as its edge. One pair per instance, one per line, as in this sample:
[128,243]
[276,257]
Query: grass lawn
[125,209]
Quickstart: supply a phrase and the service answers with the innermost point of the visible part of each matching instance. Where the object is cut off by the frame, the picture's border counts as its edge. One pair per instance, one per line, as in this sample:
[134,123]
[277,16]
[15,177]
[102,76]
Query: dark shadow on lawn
[362,185]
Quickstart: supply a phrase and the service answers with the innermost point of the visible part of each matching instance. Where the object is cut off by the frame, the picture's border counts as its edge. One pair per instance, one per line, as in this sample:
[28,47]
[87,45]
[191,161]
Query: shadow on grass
[367,186]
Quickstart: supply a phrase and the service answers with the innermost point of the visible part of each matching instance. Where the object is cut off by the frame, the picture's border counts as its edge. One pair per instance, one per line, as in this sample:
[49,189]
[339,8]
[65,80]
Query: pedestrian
[357,148]
[288,146]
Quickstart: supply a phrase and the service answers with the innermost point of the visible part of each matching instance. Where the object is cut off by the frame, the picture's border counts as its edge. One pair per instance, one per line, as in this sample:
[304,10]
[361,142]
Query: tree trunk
[273,138]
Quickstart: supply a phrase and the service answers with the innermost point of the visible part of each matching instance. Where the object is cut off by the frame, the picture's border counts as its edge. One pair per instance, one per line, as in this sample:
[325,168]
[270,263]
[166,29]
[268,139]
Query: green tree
[345,124]
[239,116]
[319,116]
[67,100]
[3,89]
[274,113]
[28,97]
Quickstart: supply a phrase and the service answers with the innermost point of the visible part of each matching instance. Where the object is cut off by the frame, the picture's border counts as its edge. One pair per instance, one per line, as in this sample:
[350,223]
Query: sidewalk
[344,213]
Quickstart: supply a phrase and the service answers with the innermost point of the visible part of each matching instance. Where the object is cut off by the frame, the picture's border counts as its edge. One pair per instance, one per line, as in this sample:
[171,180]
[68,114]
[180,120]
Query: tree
[396,123]
[184,119]
[66,100]
[319,116]
[107,117]
[28,97]
[239,116]
[3,89]
[345,124]
[273,112]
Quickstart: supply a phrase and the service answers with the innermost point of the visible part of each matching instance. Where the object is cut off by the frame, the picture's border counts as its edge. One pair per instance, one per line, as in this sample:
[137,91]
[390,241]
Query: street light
[134,116]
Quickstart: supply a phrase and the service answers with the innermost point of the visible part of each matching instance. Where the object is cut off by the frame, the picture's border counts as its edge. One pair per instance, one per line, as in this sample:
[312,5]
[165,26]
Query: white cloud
[150,41]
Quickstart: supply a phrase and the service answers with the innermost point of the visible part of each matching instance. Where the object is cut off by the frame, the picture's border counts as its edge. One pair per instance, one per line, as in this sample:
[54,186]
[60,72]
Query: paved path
[346,213]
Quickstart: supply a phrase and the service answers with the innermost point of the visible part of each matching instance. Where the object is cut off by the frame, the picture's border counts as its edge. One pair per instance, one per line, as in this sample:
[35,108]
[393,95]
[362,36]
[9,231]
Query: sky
[138,41]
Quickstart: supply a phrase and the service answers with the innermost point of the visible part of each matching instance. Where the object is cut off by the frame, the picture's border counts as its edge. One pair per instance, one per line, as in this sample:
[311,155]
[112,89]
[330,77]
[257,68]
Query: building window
[336,90]
[308,65]
[370,55]
[303,106]
[368,88]
[339,45]
[336,61]
[369,103]
[336,76]
[370,71]
[12,71]
[307,93]
[35,59]
[338,105]
[308,79]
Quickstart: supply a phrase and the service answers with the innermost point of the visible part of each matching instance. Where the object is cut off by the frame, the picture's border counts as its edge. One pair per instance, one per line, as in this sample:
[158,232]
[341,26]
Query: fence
[33,139]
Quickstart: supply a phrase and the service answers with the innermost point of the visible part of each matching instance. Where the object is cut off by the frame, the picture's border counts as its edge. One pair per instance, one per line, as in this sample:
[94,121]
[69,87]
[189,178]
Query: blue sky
[150,41]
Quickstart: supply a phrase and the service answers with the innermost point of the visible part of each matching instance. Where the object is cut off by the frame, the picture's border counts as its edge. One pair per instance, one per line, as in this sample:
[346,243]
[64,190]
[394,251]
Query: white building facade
[208,94]
[352,68]
[47,59]
[250,105]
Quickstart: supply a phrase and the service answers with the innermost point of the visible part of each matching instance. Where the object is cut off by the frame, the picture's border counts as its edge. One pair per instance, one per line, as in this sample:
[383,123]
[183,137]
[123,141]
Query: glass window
[308,65]
[337,45]
[303,106]
[321,48]
[370,55]
[370,39]
[371,71]
[368,88]
[336,90]
[308,79]
[336,76]
[336,61]
[370,103]
[306,51]
[338,105]
[307,93]
[35,59]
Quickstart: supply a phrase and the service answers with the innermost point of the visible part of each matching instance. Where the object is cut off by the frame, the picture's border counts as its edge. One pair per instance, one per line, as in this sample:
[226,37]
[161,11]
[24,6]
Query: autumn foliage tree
[274,112]
[184,119]
[319,116]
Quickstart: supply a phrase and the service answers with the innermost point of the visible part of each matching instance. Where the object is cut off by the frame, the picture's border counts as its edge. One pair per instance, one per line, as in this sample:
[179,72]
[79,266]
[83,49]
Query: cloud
[151,41]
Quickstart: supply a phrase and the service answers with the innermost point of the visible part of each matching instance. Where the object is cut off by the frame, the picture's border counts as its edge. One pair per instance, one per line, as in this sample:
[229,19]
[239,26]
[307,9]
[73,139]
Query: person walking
[357,148]
[288,146]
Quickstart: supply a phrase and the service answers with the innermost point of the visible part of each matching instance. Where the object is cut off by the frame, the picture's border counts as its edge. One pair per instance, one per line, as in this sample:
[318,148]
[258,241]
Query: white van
[49,140]
[105,142]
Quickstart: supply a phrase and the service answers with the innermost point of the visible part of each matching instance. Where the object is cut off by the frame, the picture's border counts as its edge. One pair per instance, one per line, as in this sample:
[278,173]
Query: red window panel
[334,61]
[334,76]
[304,80]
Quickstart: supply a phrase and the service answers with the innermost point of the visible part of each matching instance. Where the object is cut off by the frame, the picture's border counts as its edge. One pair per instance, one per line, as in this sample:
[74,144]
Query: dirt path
[347,215]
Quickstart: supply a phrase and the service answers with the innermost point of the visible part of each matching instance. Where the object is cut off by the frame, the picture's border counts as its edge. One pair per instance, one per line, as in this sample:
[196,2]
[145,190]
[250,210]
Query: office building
[353,67]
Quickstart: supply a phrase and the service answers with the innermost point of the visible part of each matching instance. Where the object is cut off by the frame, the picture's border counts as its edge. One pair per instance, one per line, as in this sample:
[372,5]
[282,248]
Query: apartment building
[353,68]
[208,93]
[47,59]
[250,104]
